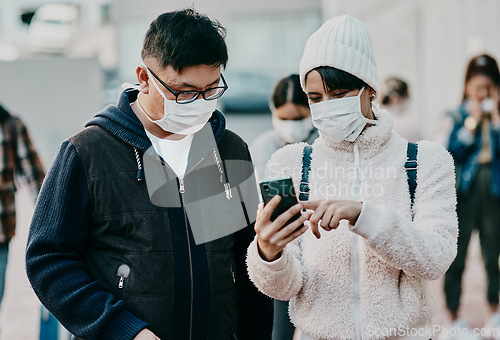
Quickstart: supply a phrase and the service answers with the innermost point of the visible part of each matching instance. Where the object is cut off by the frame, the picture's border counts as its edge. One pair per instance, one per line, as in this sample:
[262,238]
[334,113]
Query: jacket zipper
[355,258]
[356,306]
[123,272]
[190,273]
[182,191]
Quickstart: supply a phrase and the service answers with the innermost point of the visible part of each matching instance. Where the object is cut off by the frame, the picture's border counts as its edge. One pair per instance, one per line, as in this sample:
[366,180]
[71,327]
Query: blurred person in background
[474,142]
[106,258]
[395,98]
[19,161]
[291,119]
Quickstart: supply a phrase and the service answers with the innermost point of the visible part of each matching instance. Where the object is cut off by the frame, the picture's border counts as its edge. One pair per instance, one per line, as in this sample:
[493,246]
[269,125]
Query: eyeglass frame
[177,94]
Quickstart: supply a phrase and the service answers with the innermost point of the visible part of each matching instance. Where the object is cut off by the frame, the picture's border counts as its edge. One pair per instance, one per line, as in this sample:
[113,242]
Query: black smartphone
[284,188]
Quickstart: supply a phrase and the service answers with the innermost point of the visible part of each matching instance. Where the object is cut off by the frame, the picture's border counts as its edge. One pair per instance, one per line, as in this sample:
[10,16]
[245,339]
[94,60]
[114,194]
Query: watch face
[470,123]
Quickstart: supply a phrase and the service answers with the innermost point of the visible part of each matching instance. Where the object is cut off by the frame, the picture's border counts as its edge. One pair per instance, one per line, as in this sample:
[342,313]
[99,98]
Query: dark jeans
[283,329]
[478,210]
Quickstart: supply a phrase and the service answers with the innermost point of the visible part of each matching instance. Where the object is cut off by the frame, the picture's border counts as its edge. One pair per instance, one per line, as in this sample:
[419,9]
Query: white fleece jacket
[396,255]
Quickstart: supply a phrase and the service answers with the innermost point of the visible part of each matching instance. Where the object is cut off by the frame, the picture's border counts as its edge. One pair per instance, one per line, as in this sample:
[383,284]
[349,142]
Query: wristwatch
[470,123]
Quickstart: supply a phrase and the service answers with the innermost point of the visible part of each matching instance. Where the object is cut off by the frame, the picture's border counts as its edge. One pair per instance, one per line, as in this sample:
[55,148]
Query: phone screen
[284,188]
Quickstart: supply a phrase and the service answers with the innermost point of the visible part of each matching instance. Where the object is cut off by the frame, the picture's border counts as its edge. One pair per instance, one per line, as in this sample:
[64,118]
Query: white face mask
[487,105]
[182,119]
[293,131]
[340,119]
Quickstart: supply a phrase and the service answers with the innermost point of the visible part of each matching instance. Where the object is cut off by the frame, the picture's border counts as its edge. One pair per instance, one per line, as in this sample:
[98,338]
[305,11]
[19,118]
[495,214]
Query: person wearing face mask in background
[291,119]
[142,225]
[474,142]
[361,271]
[395,98]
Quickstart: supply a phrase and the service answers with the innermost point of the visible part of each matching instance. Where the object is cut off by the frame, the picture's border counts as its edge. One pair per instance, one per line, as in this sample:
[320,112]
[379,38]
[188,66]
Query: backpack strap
[306,167]
[411,166]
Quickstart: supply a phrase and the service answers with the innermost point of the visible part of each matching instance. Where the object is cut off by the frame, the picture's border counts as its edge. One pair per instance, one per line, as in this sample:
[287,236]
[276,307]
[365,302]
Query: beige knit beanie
[344,43]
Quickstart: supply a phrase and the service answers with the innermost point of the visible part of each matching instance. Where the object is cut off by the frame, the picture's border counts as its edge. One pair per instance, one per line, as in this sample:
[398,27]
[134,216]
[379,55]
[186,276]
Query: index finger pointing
[310,204]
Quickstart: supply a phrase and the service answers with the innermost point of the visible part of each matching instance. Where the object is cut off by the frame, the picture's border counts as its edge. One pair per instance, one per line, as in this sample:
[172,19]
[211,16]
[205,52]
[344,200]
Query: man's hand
[146,334]
[272,237]
[330,212]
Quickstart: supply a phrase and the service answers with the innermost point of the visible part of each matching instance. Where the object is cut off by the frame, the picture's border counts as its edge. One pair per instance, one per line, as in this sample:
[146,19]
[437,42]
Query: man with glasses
[142,226]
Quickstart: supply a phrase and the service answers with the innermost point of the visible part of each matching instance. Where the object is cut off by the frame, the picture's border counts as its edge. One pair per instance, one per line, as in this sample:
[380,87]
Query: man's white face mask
[182,119]
[340,119]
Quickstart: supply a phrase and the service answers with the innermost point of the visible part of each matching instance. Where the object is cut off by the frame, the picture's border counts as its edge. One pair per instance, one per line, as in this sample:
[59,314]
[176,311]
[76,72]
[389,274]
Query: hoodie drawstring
[355,257]
[223,176]
[140,171]
[357,167]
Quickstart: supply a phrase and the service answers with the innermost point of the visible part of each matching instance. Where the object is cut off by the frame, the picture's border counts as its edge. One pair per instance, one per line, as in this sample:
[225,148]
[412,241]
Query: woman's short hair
[335,79]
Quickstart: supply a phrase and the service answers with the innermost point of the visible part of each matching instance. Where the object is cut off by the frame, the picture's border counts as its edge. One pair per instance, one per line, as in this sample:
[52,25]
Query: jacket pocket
[123,273]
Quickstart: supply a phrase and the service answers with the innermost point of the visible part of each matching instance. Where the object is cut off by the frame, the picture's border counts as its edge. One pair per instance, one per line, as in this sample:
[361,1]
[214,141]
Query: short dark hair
[394,86]
[288,90]
[185,38]
[484,65]
[334,79]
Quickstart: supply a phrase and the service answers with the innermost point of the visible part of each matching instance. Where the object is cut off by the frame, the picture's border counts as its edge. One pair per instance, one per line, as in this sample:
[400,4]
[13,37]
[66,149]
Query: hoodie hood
[121,121]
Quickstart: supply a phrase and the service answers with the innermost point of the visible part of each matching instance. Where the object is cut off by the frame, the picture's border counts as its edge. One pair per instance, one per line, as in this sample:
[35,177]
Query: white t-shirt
[174,152]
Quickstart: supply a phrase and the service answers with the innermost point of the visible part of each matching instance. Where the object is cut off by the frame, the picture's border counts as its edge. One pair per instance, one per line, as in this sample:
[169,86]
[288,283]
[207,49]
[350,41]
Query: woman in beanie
[362,270]
[475,145]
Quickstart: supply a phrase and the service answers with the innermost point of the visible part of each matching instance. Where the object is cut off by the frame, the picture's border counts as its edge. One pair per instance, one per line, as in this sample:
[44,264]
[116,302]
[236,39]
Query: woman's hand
[330,212]
[272,237]
[146,334]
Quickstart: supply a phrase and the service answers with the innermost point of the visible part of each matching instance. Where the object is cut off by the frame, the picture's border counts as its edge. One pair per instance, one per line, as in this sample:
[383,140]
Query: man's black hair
[185,38]
[335,79]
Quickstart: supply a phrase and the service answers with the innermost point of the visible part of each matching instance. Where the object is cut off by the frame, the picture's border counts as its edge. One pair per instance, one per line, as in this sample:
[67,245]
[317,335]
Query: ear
[372,93]
[143,78]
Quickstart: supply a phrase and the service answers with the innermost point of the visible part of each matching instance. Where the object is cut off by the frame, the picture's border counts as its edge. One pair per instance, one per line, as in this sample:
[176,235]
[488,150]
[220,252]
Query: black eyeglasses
[185,97]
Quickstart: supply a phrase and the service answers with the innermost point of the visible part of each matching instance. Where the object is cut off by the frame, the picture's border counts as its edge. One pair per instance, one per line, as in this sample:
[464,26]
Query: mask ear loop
[154,83]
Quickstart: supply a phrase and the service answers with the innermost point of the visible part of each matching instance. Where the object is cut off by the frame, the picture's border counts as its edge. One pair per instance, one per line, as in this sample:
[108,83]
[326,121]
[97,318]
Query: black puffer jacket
[107,262]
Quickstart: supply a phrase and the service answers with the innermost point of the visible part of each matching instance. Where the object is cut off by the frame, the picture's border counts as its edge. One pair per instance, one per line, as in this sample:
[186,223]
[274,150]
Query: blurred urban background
[61,62]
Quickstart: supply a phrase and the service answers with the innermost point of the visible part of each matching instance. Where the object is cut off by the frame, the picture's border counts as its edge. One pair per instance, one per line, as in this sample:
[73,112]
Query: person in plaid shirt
[18,160]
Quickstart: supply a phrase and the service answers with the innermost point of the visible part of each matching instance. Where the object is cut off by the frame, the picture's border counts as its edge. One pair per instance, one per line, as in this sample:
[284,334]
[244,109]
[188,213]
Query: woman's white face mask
[182,119]
[293,131]
[340,119]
